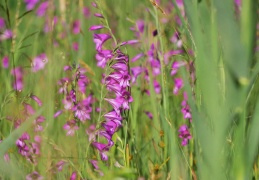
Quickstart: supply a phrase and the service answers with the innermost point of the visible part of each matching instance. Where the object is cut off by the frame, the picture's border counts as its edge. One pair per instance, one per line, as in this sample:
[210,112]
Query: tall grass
[219,51]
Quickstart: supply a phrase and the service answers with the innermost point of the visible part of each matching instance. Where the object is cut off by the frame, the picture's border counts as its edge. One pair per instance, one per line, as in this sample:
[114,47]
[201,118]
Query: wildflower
[70,127]
[60,165]
[7,34]
[149,114]
[30,4]
[39,62]
[157,87]
[184,134]
[5,62]
[86,12]
[75,46]
[102,57]
[82,111]
[138,56]
[178,84]
[175,66]
[91,132]
[98,15]
[76,27]
[73,176]
[2,23]
[42,9]
[99,39]
[135,71]
[59,112]
[34,176]
[96,27]
[36,99]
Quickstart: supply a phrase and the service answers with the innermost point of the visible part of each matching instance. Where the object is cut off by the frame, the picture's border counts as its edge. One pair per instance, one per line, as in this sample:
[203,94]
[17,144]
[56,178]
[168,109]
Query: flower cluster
[72,87]
[117,83]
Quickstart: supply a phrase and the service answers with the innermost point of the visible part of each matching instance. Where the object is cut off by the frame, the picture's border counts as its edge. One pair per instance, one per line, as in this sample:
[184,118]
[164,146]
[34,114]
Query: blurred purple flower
[36,99]
[82,111]
[76,27]
[73,176]
[149,114]
[96,27]
[7,34]
[60,165]
[30,4]
[39,62]
[17,72]
[98,15]
[59,112]
[86,12]
[34,176]
[2,23]
[90,131]
[135,71]
[99,39]
[184,134]
[176,65]
[178,84]
[138,56]
[42,9]
[157,87]
[70,127]
[75,46]
[5,62]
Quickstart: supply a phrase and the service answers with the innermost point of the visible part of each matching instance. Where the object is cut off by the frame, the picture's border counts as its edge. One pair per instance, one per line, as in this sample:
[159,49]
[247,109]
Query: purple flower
[5,62]
[59,112]
[138,56]
[171,53]
[98,15]
[111,126]
[76,27]
[149,114]
[34,176]
[73,176]
[86,12]
[60,165]
[91,132]
[70,127]
[157,87]
[102,57]
[82,111]
[30,4]
[125,99]
[99,39]
[42,9]
[2,23]
[176,65]
[184,134]
[136,71]
[39,62]
[112,115]
[178,84]
[94,163]
[75,46]
[116,103]
[23,148]
[96,27]
[36,99]
[100,146]
[7,34]
[123,78]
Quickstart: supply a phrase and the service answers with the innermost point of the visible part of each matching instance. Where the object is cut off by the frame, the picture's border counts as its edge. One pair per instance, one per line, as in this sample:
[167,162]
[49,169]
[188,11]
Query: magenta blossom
[7,34]
[2,23]
[76,27]
[39,62]
[30,4]
[99,39]
[178,84]
[42,9]
[34,176]
[5,62]
[184,134]
[70,127]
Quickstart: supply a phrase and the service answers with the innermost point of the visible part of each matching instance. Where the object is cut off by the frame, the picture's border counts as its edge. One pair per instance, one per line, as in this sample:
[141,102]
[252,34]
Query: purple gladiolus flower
[176,65]
[76,27]
[70,127]
[96,27]
[36,99]
[99,39]
[125,99]
[157,87]
[136,71]
[5,62]
[60,165]
[18,82]
[82,111]
[30,4]
[75,46]
[178,84]
[39,62]
[102,57]
[59,112]
[34,176]
[149,114]
[73,176]
[116,104]
[7,34]
[42,9]
[137,57]
[184,134]
[2,23]
[86,12]
[91,132]
[98,15]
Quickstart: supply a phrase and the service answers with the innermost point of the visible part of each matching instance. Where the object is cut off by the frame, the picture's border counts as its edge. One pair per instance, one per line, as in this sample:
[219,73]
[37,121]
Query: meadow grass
[194,113]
